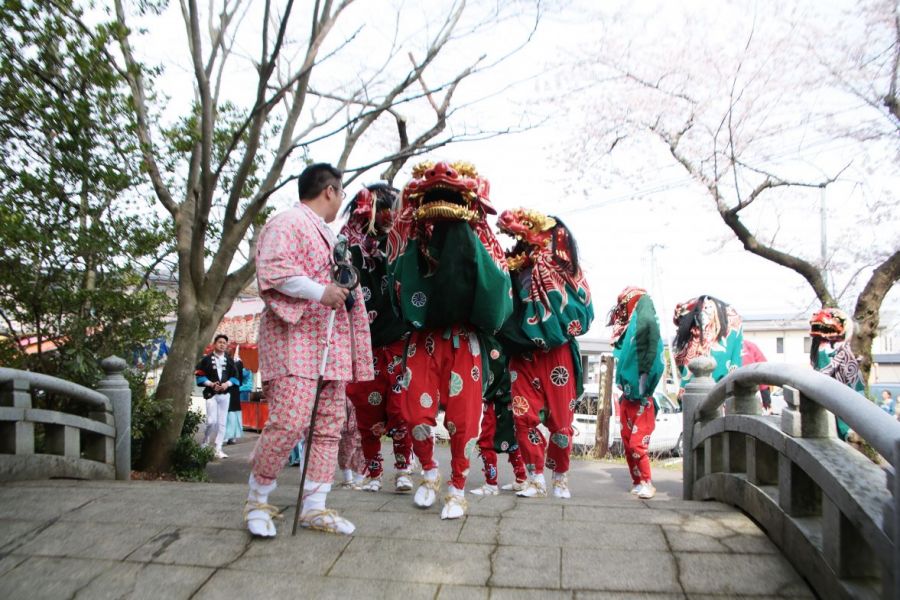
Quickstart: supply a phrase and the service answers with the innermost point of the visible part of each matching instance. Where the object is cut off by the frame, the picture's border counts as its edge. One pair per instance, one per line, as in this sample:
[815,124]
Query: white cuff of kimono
[301,286]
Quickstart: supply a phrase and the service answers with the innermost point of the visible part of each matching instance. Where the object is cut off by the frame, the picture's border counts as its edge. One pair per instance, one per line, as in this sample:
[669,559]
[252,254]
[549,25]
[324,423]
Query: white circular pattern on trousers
[559,376]
[456,384]
[367,293]
[375,398]
[418,299]
[426,400]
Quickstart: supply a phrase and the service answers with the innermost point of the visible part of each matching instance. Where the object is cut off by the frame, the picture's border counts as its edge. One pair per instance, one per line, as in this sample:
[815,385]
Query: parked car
[667,438]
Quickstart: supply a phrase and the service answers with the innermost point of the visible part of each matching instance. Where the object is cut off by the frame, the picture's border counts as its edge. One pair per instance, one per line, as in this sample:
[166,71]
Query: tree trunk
[175,384]
[866,315]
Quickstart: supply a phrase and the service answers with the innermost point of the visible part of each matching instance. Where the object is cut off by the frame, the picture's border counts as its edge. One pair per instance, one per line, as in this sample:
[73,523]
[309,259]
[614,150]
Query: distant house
[886,369]
[782,338]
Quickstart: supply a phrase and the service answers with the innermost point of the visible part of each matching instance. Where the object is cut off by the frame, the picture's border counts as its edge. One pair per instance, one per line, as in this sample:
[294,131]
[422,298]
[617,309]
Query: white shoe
[485,490]
[516,487]
[258,516]
[426,494]
[647,491]
[371,484]
[455,507]
[220,454]
[561,488]
[636,489]
[533,489]
[402,482]
[326,520]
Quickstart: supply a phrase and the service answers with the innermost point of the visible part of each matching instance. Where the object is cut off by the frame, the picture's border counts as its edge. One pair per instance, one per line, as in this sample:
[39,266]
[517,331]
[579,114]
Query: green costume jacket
[385,326]
[539,325]
[726,353]
[465,286]
[640,350]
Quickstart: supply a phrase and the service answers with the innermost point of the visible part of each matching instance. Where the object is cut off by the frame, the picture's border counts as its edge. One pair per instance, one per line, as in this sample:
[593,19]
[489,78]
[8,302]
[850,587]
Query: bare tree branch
[136,83]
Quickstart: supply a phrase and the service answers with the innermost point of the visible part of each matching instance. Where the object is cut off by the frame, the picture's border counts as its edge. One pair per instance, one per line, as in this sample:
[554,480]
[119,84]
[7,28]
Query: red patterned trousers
[378,409]
[489,455]
[544,381]
[443,367]
[638,423]
[350,454]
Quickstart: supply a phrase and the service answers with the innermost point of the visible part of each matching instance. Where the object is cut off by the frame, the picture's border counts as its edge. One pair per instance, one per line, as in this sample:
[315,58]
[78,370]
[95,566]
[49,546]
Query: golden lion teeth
[445,210]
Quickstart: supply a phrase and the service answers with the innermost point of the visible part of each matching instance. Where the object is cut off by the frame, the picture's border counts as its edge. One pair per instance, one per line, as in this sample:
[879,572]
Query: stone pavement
[90,539]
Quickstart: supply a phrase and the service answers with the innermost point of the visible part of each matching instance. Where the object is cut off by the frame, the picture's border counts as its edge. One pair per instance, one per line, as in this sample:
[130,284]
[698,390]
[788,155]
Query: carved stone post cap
[113,364]
[702,366]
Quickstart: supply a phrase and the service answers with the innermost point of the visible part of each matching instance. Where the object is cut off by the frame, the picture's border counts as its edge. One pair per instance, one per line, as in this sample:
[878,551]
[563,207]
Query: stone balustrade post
[694,393]
[115,387]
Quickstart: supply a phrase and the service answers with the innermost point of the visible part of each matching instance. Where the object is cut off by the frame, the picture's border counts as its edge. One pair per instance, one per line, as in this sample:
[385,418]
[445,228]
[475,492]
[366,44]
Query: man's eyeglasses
[339,191]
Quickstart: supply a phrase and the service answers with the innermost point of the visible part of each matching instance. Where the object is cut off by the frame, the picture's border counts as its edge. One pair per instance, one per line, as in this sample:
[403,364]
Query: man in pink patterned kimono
[293,264]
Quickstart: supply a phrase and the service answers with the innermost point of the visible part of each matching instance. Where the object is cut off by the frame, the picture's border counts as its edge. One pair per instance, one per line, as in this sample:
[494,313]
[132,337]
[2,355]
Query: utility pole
[823,222]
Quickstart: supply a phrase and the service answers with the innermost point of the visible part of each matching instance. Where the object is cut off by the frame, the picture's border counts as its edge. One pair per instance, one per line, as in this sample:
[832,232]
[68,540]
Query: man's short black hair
[220,336]
[315,178]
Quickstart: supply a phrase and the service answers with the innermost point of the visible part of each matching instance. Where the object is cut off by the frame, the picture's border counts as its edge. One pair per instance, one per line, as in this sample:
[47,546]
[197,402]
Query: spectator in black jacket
[216,374]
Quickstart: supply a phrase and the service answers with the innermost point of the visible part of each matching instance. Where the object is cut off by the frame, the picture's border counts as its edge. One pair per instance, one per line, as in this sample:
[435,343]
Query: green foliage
[148,413]
[74,224]
[189,459]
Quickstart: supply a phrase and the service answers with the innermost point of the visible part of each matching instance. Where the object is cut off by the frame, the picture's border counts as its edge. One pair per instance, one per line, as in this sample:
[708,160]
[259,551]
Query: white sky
[637,217]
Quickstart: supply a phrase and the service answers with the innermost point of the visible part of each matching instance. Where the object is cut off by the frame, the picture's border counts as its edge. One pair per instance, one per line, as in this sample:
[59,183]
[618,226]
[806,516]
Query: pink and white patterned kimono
[292,333]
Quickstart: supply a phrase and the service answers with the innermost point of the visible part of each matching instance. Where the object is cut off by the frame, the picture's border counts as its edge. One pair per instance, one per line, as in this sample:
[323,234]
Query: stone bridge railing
[94,447]
[831,510]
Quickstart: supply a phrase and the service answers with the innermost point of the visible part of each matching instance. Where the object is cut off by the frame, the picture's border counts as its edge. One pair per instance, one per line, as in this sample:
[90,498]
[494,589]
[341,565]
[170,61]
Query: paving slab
[418,525]
[739,574]
[537,594]
[50,578]
[146,581]
[525,567]
[616,571]
[228,583]
[480,530]
[463,592]
[581,534]
[415,561]
[13,532]
[308,554]
[43,504]
[110,541]
[194,546]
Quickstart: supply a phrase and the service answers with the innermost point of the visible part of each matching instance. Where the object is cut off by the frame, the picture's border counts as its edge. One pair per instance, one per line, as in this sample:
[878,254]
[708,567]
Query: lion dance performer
[830,353]
[450,282]
[638,349]
[498,432]
[552,306]
[706,326]
[377,402]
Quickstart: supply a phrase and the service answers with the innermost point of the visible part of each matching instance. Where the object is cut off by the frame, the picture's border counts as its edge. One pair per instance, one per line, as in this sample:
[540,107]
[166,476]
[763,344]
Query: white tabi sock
[259,492]
[348,475]
[539,478]
[431,474]
[559,476]
[455,492]
[314,494]
[257,514]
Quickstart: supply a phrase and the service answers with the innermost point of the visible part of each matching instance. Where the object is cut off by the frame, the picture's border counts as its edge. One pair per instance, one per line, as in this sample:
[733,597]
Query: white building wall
[794,345]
